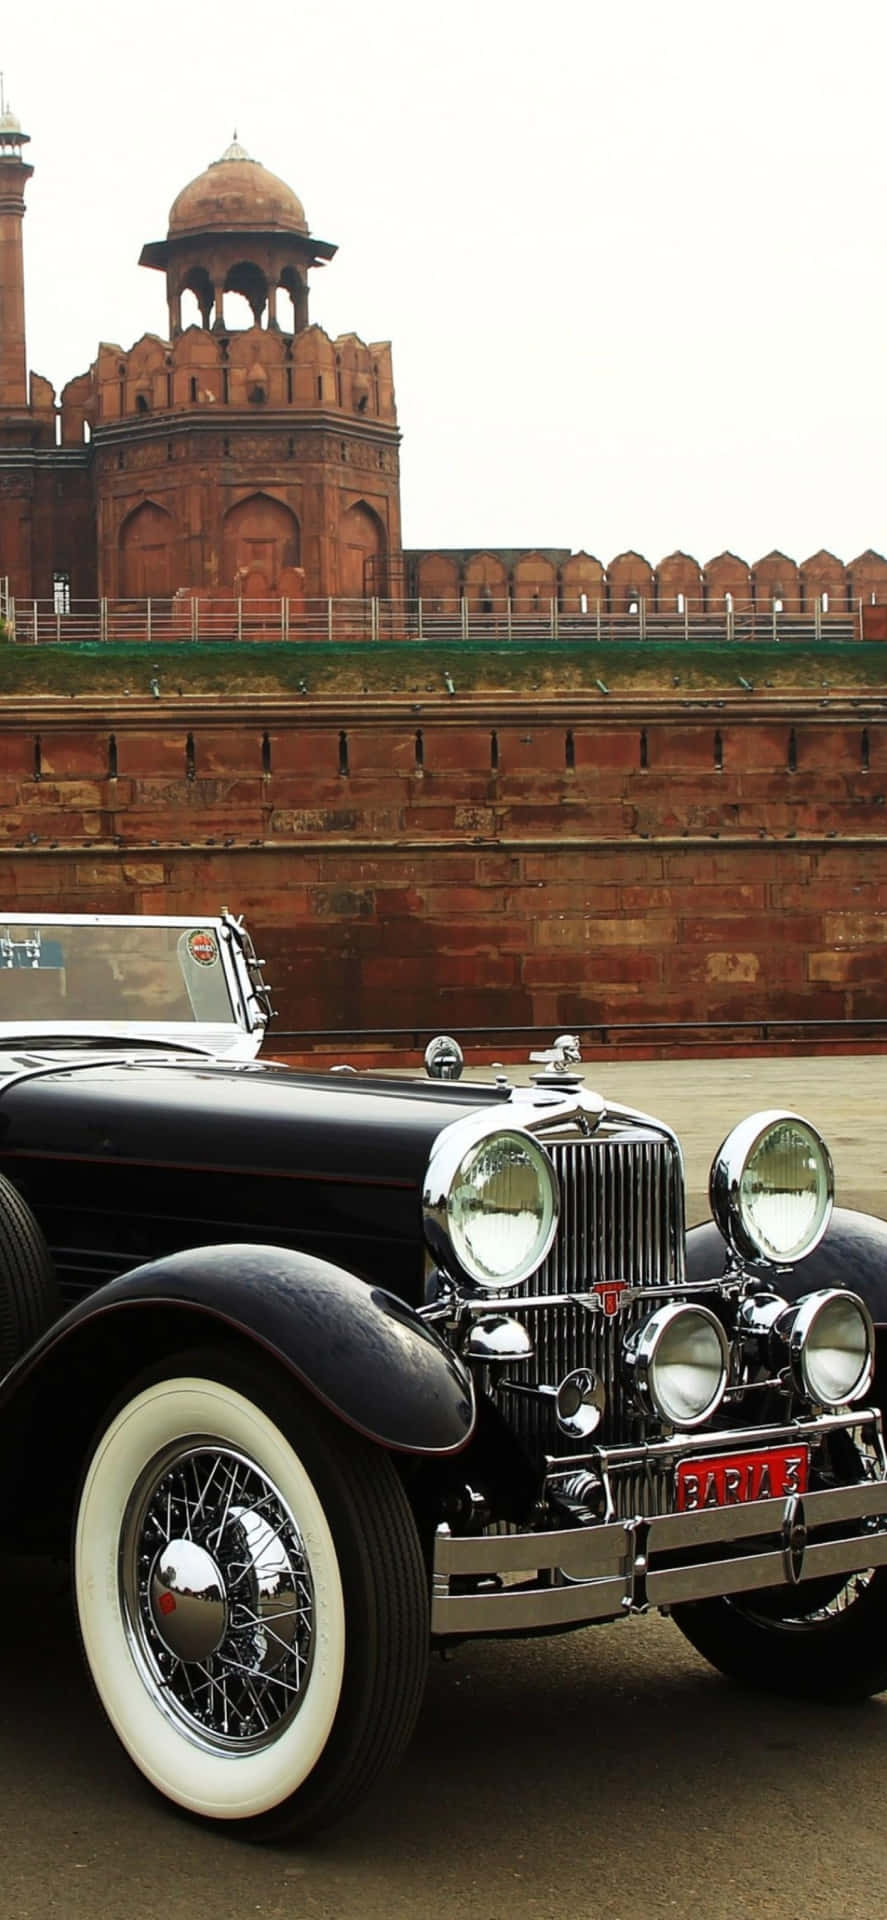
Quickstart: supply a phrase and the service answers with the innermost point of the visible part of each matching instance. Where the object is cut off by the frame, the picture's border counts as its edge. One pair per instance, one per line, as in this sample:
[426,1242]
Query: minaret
[14,173]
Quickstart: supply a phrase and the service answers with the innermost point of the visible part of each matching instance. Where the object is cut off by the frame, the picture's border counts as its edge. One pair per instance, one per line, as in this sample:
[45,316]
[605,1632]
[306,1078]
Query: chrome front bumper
[599,1572]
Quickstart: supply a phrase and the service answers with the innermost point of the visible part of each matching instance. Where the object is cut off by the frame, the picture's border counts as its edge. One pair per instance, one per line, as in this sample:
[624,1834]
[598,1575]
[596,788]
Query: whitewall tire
[251,1597]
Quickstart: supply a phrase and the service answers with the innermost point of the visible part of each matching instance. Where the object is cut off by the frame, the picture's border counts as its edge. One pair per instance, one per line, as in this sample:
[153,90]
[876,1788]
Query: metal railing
[205,618]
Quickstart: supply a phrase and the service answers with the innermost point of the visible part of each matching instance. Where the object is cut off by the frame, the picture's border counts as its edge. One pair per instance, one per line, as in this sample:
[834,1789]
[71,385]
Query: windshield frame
[236,1007]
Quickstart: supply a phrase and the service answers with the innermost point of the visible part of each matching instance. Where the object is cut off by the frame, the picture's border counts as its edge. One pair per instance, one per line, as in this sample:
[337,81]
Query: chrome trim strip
[675,1585]
[725,1440]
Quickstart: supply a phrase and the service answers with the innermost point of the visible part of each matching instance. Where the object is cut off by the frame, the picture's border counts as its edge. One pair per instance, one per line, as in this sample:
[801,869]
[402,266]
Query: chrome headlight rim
[645,1344]
[451,1157]
[799,1327]
[729,1205]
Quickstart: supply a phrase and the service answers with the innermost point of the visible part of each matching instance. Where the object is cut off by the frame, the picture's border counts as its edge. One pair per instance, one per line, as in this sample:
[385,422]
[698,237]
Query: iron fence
[207,618]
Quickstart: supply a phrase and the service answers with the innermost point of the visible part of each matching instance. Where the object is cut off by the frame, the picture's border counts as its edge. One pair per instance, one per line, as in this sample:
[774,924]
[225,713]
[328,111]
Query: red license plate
[732,1478]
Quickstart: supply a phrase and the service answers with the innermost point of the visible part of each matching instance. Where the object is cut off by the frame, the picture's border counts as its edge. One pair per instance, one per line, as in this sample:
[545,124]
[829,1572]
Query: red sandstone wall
[463,869]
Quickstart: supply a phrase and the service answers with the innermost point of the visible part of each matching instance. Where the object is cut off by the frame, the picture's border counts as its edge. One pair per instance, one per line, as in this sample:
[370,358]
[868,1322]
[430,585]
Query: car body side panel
[360,1350]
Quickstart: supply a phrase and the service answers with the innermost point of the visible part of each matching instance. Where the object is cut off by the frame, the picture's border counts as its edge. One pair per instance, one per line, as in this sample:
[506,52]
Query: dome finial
[11,136]
[236,151]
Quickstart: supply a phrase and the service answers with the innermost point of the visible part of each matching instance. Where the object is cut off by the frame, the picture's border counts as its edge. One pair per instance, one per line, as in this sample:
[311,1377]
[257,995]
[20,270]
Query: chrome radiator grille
[622,1218]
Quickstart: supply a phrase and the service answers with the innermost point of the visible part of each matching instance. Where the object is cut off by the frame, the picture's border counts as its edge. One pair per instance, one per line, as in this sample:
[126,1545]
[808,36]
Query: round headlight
[678,1362]
[772,1188]
[831,1347]
[502,1209]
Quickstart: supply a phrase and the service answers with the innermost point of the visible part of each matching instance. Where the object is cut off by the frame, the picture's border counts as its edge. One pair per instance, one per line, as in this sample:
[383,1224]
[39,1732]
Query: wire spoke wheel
[251,1596]
[218,1596]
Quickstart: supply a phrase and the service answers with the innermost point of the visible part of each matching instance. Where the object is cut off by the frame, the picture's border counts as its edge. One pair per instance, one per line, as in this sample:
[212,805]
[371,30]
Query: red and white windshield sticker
[202,947]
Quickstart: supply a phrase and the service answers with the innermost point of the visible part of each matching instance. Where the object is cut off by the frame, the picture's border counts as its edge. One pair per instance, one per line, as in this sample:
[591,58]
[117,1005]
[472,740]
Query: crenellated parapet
[531,579]
[255,370]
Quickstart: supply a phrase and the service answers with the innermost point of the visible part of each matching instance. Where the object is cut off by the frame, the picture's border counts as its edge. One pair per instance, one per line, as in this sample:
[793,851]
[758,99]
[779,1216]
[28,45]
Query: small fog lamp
[831,1347]
[678,1364]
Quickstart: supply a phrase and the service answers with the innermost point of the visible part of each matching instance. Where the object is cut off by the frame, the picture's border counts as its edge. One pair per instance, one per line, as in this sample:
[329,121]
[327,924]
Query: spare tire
[29,1295]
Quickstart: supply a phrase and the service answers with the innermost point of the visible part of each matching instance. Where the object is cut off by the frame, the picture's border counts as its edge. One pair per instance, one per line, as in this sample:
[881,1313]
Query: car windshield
[102,972]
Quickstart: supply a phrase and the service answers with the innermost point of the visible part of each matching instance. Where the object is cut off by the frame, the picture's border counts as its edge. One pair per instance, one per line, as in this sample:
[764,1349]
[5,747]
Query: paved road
[607,1773]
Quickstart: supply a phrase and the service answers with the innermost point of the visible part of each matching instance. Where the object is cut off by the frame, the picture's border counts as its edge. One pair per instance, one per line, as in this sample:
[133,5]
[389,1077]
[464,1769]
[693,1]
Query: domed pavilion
[247,456]
[237,229]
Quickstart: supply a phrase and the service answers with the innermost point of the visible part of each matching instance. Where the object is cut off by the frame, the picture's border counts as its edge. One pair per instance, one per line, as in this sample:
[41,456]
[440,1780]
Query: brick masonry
[457,868]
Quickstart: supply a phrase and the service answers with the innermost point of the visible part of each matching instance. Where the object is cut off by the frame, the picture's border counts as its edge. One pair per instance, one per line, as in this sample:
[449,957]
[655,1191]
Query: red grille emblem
[609,1297]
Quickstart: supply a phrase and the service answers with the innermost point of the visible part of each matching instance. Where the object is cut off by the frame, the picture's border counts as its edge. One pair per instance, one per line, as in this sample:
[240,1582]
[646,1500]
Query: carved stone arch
[438,581]
[246,278]
[534,583]
[362,551]
[824,582]
[486,583]
[197,280]
[630,580]
[146,545]
[678,584]
[868,579]
[583,588]
[777,583]
[260,538]
[727,583]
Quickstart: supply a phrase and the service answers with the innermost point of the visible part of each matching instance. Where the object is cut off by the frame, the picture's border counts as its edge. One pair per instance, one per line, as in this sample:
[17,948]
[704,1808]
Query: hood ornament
[559,1062]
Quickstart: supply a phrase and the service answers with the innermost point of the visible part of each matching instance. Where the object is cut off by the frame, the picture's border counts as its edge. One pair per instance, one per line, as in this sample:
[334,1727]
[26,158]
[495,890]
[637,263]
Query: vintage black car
[318,1369]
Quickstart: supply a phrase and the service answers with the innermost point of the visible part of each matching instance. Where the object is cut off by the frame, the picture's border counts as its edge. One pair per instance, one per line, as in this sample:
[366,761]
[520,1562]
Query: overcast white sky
[630,253]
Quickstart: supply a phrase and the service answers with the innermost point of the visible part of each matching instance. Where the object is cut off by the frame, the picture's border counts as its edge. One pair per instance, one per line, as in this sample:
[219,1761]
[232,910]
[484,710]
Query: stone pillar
[14,175]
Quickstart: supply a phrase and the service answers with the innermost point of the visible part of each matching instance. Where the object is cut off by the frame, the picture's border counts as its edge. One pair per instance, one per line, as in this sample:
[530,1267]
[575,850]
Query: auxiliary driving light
[772,1188]
[678,1364]
[831,1346]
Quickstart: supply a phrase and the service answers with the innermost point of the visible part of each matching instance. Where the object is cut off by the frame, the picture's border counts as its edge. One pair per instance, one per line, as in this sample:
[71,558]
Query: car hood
[170,1110]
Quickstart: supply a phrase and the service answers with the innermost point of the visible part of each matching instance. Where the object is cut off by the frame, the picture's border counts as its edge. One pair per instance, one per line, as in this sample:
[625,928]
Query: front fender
[852,1253]
[363,1352]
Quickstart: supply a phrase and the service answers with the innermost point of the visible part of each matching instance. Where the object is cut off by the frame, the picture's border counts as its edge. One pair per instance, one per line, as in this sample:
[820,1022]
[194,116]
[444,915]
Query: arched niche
[583,588]
[629,581]
[777,585]
[727,584]
[438,582]
[678,584]
[824,583]
[147,546]
[362,549]
[486,583]
[868,578]
[260,538]
[534,583]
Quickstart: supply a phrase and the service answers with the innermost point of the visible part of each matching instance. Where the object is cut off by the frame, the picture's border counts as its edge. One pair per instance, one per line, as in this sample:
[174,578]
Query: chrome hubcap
[217,1596]
[189,1606]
